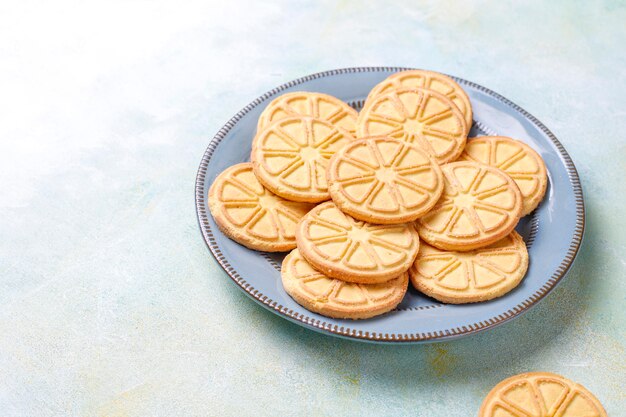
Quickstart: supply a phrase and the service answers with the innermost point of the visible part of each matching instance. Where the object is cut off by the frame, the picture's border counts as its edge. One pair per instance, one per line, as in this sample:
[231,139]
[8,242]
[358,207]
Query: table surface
[110,302]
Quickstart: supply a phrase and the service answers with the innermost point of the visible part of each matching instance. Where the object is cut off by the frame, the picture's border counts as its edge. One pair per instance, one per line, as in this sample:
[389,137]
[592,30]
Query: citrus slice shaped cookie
[480,205]
[515,158]
[250,214]
[290,157]
[540,394]
[430,80]
[384,180]
[335,298]
[420,116]
[470,277]
[341,247]
[304,103]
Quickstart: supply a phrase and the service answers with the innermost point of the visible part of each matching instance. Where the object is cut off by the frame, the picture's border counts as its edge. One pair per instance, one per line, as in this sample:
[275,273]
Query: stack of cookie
[400,170]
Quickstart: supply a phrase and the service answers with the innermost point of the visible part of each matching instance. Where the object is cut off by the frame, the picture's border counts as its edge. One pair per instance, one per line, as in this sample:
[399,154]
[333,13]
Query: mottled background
[110,302]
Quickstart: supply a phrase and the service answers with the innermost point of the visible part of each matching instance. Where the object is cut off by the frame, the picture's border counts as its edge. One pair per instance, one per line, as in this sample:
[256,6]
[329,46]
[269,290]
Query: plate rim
[345,331]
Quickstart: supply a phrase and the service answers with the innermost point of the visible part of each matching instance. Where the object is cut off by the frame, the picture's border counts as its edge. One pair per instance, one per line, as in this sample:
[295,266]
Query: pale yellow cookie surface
[351,250]
[430,80]
[515,158]
[480,205]
[291,155]
[470,277]
[335,298]
[420,116]
[304,103]
[540,394]
[384,180]
[250,214]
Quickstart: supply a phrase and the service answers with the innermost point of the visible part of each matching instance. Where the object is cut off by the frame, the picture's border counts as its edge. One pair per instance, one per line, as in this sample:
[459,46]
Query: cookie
[430,80]
[540,394]
[384,180]
[351,250]
[290,157]
[304,103]
[515,158]
[480,205]
[250,214]
[470,277]
[420,116]
[335,298]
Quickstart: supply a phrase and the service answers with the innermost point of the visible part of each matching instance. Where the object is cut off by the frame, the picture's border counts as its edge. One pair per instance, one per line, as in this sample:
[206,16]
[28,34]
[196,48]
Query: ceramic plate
[553,232]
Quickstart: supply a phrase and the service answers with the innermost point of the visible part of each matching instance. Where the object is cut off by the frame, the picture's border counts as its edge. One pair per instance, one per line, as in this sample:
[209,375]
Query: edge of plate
[346,331]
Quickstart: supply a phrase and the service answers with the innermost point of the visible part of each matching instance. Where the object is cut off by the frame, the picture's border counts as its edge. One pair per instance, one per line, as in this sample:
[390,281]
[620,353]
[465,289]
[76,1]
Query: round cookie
[540,394]
[470,277]
[304,103]
[515,158]
[430,80]
[416,115]
[335,298]
[251,215]
[350,250]
[291,155]
[479,206]
[384,180]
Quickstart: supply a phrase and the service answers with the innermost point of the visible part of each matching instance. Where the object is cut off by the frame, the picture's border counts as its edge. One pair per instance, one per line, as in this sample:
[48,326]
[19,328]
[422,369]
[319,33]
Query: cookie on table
[304,103]
[470,277]
[480,205]
[515,158]
[419,116]
[291,155]
[384,180]
[430,80]
[250,214]
[335,298]
[351,250]
[540,394]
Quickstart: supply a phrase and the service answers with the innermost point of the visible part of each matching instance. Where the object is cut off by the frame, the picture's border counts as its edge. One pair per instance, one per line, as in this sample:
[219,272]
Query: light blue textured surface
[110,303]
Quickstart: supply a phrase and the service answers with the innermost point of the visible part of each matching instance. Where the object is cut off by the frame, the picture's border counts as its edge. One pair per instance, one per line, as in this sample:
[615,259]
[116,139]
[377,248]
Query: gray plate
[553,232]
